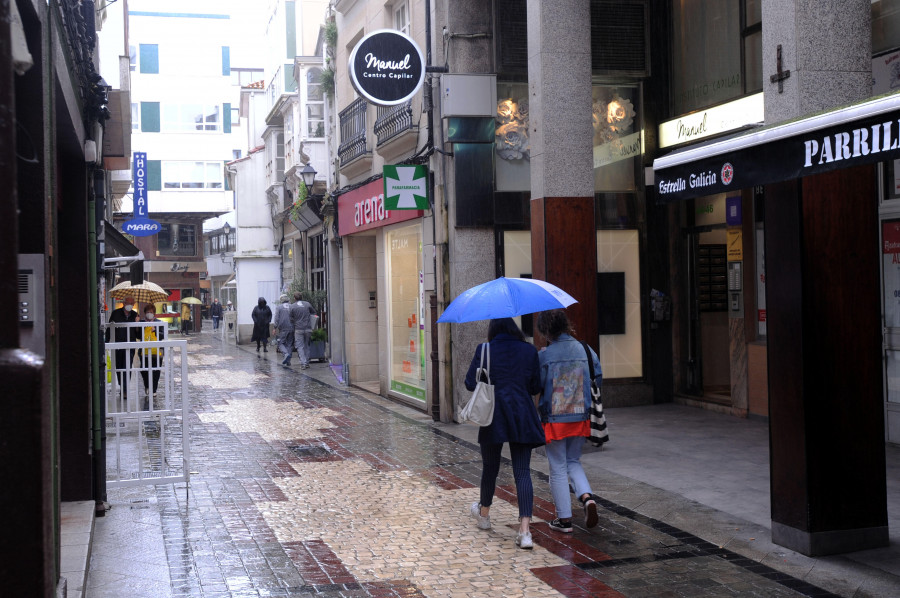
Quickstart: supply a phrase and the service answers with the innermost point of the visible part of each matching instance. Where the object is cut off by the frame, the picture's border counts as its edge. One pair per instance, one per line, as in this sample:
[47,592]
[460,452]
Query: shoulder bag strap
[590,359]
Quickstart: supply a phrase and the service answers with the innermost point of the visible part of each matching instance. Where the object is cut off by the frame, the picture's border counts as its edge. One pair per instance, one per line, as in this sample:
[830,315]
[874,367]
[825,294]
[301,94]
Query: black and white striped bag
[599,434]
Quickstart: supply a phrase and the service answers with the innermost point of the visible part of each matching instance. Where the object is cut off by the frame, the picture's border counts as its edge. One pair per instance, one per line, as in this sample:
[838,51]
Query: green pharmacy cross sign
[406,187]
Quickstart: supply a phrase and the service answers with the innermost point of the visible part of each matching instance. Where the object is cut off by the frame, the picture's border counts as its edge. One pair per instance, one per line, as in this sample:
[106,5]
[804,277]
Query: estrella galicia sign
[387,67]
[140,225]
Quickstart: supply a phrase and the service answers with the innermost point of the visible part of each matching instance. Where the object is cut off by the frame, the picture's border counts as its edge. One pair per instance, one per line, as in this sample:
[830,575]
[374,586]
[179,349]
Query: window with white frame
[317,262]
[244,77]
[315,106]
[186,118]
[176,239]
[132,58]
[191,175]
[400,11]
[135,116]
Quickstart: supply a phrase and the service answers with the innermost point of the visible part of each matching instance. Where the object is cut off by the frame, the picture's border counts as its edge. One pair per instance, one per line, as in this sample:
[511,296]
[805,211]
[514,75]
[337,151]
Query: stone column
[563,233]
[826,46]
[824,341]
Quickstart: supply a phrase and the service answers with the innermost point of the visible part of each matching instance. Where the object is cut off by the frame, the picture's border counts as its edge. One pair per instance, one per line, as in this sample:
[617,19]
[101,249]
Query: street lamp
[308,174]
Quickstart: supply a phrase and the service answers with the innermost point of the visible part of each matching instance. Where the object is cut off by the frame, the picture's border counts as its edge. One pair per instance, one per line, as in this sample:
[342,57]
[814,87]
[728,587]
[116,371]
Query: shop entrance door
[890,283]
[709,366]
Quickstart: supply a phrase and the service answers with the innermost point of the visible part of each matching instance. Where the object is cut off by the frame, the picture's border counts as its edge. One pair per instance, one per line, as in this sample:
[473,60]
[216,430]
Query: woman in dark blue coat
[515,374]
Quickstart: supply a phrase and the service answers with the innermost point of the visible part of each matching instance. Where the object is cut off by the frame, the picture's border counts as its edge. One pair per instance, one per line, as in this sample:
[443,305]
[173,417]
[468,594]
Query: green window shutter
[290,33]
[226,61]
[154,175]
[150,117]
[227,184]
[290,84]
[226,118]
[150,59]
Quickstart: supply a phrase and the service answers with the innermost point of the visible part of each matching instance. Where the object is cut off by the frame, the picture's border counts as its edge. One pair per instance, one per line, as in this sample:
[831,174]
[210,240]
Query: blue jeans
[565,464]
[521,464]
[215,322]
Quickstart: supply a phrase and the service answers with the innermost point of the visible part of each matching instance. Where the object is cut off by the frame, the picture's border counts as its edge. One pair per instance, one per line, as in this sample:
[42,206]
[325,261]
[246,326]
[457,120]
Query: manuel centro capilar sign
[387,67]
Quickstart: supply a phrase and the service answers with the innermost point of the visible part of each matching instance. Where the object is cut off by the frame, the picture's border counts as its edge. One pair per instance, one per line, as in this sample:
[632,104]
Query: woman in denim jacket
[564,408]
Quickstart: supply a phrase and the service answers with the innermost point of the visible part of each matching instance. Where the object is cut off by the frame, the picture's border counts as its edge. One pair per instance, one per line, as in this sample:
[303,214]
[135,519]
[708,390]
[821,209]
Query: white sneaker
[483,522]
[524,540]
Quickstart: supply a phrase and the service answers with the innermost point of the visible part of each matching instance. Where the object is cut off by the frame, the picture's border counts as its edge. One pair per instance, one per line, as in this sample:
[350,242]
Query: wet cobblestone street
[300,487]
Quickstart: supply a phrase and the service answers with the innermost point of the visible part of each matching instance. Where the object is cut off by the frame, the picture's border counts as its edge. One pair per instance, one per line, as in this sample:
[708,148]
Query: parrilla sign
[775,154]
[387,67]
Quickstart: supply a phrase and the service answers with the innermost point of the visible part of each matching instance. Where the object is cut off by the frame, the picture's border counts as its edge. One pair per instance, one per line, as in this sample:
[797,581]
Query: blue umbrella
[505,298]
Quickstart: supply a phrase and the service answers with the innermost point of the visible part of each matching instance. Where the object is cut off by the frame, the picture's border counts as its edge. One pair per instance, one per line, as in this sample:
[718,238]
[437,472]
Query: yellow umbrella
[191,300]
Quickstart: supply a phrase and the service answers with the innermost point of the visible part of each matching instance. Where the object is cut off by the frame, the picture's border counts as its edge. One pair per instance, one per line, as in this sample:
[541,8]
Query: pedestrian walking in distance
[564,407]
[262,316]
[151,361]
[515,374]
[301,316]
[185,318]
[215,311]
[285,330]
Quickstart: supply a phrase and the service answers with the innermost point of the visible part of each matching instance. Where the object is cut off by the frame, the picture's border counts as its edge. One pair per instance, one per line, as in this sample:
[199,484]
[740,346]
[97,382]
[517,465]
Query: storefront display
[406,310]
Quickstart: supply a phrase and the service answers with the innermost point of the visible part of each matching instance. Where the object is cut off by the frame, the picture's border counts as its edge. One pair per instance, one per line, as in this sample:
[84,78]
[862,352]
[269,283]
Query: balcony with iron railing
[392,121]
[353,148]
[395,132]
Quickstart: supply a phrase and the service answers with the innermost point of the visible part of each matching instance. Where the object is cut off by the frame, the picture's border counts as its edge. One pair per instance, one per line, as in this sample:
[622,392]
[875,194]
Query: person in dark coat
[262,316]
[515,374]
[124,315]
[215,311]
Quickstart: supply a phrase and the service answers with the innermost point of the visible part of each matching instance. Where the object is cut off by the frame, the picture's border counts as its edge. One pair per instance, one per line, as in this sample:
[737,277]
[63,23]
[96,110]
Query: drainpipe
[98,404]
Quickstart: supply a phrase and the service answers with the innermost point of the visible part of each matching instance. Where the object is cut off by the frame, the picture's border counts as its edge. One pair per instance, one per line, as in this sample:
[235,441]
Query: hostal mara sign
[387,67]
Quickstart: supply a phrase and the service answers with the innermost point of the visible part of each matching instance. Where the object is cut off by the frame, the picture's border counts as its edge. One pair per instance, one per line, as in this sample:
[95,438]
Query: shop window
[511,138]
[176,239]
[617,142]
[716,52]
[287,260]
[406,305]
[618,277]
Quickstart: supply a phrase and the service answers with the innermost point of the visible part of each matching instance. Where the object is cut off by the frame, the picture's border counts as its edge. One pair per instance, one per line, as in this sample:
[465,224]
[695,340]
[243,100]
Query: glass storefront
[618,267]
[406,307]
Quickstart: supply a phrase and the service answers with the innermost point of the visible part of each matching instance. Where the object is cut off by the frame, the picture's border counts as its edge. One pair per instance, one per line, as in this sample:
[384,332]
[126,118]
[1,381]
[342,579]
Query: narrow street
[301,487]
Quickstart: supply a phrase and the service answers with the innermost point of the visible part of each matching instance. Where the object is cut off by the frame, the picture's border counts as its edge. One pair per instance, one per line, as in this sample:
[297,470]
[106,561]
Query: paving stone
[303,488]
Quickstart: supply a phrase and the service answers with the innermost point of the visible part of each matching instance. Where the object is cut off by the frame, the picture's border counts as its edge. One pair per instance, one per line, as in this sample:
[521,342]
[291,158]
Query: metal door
[890,284]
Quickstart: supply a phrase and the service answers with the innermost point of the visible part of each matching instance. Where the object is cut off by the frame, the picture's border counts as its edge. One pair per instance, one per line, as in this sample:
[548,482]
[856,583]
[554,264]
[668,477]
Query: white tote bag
[480,408]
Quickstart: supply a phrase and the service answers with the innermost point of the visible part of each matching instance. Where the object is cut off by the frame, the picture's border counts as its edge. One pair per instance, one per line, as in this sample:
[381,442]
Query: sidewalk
[302,486]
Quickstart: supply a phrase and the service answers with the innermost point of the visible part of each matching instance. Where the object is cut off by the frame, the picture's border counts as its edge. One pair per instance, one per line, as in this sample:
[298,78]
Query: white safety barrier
[147,439]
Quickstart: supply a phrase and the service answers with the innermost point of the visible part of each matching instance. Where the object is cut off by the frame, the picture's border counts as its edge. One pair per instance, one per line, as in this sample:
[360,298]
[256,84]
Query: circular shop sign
[387,67]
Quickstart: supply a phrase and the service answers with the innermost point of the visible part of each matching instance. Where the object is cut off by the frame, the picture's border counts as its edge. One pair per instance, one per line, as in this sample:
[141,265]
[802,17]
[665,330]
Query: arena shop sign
[363,209]
[853,136]
[387,67]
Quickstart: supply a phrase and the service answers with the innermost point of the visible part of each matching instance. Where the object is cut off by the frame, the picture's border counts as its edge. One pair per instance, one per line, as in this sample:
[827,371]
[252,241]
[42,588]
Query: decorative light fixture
[226,229]
[308,174]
